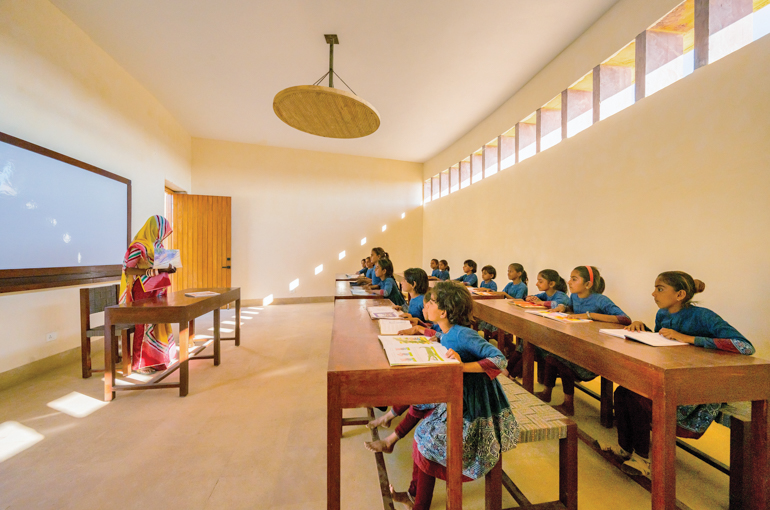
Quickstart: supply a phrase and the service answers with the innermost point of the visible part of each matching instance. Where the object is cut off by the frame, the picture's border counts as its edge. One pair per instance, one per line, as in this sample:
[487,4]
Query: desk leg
[109,358]
[607,404]
[528,367]
[184,354]
[333,436]
[454,429]
[238,322]
[217,337]
[493,487]
[663,450]
[759,449]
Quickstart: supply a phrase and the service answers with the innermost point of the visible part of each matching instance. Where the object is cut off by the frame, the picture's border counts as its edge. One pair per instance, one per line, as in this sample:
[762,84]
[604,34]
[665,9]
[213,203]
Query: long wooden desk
[668,376]
[172,308]
[342,291]
[343,277]
[359,375]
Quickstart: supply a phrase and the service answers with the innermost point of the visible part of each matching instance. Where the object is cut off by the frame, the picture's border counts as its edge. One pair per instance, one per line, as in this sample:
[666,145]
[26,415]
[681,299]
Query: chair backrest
[101,297]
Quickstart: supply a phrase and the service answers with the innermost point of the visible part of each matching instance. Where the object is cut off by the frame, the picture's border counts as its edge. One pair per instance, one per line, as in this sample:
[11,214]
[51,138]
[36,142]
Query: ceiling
[432,68]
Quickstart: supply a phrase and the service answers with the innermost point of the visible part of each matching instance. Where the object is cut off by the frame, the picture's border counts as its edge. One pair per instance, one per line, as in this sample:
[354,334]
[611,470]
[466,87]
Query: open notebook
[393,326]
[526,304]
[557,316]
[414,350]
[644,337]
[383,312]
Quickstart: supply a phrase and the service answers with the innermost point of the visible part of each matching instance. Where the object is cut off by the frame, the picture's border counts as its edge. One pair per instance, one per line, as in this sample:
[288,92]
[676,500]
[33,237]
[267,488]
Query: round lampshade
[326,111]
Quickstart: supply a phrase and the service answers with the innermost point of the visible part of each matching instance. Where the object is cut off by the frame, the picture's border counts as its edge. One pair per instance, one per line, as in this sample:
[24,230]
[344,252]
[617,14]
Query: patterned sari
[154,344]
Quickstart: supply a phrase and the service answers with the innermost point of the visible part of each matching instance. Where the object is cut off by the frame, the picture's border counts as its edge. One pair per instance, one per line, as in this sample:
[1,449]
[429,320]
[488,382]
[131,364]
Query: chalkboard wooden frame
[15,280]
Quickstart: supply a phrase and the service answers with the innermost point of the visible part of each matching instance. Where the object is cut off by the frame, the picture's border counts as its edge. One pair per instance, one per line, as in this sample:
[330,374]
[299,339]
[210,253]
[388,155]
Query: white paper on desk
[203,293]
[557,316]
[359,292]
[653,339]
[392,327]
[383,312]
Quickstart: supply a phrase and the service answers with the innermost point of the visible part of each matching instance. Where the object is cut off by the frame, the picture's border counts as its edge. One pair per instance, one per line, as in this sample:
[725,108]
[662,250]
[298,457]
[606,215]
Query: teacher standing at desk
[154,348]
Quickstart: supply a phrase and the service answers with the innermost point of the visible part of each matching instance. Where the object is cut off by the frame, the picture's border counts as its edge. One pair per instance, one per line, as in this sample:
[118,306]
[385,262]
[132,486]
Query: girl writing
[678,319]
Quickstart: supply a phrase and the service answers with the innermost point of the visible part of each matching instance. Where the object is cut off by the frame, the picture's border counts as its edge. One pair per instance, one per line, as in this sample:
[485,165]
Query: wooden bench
[537,421]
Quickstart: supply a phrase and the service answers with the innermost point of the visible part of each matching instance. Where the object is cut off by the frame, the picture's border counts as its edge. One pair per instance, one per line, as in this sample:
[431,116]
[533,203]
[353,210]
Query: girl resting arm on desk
[588,302]
[678,319]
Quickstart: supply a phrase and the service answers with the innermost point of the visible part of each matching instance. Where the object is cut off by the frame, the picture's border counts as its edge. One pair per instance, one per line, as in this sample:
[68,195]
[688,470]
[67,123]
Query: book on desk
[558,316]
[413,351]
[383,312]
[645,337]
[526,304]
[393,326]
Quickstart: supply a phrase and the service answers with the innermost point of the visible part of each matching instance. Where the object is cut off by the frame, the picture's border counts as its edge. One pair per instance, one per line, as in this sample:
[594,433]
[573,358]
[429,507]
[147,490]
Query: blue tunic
[558,298]
[391,291]
[370,273]
[489,427]
[489,285]
[517,291]
[415,307]
[594,303]
[436,273]
[443,275]
[469,279]
[363,271]
[711,332]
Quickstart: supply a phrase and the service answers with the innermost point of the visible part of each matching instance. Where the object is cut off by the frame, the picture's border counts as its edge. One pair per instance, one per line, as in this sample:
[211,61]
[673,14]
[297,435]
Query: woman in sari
[154,347]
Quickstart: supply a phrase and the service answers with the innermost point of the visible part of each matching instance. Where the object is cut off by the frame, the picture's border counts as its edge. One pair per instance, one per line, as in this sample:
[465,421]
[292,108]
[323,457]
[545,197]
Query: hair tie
[590,275]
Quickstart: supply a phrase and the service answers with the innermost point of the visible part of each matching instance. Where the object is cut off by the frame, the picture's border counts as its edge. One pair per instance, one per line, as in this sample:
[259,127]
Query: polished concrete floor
[252,434]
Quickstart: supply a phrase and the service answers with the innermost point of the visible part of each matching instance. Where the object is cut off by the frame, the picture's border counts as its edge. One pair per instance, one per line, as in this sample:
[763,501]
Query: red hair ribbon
[590,275]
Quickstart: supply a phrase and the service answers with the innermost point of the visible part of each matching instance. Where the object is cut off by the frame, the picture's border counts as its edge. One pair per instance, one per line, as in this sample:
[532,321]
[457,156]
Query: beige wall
[60,90]
[679,180]
[293,210]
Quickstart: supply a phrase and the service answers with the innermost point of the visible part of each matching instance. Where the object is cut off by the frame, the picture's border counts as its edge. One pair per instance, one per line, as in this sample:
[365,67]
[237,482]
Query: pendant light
[326,111]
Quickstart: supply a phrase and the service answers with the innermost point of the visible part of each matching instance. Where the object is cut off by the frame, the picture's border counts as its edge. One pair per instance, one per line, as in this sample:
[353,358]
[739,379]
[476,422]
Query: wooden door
[201,231]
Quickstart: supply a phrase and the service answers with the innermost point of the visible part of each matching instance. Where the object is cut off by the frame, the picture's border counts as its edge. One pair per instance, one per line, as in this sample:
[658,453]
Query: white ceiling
[432,68]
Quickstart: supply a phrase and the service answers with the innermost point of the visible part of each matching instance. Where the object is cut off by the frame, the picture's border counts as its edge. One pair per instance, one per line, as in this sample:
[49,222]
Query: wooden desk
[342,291]
[359,376]
[486,295]
[668,376]
[172,308]
[343,277]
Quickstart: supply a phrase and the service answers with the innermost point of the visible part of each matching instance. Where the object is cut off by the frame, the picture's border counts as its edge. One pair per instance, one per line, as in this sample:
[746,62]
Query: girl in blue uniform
[488,275]
[489,427]
[388,286]
[517,287]
[678,319]
[469,278]
[371,277]
[553,292]
[434,269]
[416,285]
[587,302]
[443,267]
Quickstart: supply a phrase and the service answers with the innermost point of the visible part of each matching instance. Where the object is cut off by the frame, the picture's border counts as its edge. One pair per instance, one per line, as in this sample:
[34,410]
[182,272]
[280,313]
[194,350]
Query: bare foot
[382,421]
[545,395]
[401,497]
[379,446]
[565,409]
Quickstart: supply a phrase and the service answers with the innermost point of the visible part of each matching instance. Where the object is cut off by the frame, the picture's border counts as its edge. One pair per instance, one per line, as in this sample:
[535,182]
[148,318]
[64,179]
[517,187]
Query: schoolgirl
[469,278]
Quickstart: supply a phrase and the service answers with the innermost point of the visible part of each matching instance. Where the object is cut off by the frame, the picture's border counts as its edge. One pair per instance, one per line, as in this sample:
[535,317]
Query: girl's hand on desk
[562,308]
[576,315]
[414,320]
[533,299]
[675,335]
[453,355]
[636,326]
[367,287]
[414,330]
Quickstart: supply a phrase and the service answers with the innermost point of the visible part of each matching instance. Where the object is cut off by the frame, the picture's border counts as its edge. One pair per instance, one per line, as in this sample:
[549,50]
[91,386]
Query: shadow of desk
[171,308]
[668,376]
[359,375]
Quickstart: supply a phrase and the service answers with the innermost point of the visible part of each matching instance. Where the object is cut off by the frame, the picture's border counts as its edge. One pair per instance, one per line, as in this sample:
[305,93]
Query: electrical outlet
[50,337]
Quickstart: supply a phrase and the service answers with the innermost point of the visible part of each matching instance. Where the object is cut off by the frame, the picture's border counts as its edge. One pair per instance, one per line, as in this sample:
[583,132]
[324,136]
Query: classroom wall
[60,90]
[293,210]
[677,181]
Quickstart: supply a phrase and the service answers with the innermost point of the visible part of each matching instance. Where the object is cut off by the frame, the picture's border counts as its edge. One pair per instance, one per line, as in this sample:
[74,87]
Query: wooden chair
[95,300]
